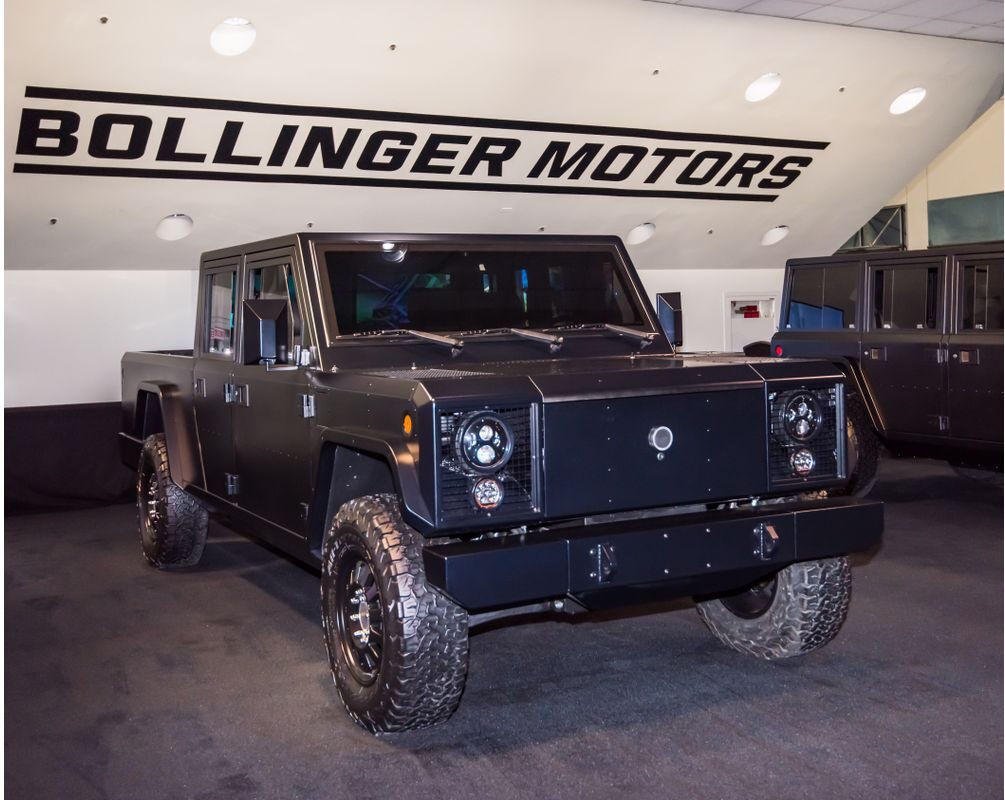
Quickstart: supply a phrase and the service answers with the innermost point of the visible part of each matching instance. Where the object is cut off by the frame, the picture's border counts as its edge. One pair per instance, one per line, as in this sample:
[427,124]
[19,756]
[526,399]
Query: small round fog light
[487,493]
[802,462]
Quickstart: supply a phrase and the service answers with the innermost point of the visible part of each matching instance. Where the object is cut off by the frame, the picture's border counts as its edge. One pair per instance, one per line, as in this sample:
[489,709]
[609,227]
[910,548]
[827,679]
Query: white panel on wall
[65,330]
[703,297]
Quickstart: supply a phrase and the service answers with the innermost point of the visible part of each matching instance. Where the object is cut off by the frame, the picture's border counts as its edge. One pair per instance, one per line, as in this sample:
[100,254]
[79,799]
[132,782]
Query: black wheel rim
[754,601]
[150,504]
[359,616]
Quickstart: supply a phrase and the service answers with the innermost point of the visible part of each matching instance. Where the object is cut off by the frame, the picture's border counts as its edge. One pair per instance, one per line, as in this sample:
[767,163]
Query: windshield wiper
[455,345]
[645,338]
[554,342]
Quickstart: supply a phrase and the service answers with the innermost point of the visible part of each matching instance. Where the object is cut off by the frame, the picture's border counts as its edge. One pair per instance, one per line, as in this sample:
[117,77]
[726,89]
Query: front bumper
[682,555]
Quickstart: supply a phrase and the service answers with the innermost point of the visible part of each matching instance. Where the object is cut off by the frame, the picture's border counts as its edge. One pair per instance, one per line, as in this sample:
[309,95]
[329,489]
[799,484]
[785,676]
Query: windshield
[395,286]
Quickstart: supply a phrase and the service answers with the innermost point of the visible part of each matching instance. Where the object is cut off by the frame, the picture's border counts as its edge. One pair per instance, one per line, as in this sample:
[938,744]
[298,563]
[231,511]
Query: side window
[276,283]
[904,298]
[981,297]
[221,298]
[823,298]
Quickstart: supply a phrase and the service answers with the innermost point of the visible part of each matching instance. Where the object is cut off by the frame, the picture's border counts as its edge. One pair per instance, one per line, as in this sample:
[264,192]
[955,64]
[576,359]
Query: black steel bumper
[678,555]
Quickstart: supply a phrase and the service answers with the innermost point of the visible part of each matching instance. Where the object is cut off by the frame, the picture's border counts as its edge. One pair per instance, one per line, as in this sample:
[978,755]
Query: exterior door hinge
[307,405]
[233,483]
[236,393]
[200,387]
[943,424]
[229,393]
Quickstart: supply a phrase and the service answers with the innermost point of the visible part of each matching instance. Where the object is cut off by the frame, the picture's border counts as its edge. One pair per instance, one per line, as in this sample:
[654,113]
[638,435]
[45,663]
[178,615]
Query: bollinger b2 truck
[458,428]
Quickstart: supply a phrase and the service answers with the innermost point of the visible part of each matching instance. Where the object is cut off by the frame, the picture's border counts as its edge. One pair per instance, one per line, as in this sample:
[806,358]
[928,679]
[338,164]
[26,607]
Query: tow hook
[766,541]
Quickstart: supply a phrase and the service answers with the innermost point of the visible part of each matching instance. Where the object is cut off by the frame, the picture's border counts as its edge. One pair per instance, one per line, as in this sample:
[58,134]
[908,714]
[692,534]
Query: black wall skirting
[63,457]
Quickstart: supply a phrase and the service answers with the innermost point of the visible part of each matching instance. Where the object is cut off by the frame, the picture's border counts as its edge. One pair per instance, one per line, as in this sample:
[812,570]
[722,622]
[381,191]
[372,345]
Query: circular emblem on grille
[661,437]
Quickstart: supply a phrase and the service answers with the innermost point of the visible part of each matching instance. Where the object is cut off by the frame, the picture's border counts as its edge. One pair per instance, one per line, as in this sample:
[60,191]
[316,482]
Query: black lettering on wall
[31,133]
[168,150]
[432,150]
[392,157]
[556,158]
[666,156]
[745,168]
[139,135]
[323,139]
[718,159]
[282,147]
[635,155]
[786,176]
[228,141]
[493,151]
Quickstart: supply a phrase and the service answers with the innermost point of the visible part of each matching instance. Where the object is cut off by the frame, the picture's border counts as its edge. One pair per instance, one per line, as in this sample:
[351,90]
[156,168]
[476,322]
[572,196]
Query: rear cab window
[221,301]
[823,297]
[980,305]
[905,297]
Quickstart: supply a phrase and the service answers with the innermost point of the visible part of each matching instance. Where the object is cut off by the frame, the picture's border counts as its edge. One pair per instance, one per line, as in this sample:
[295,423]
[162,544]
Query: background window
[981,297]
[885,231]
[822,298]
[222,297]
[963,220]
[905,297]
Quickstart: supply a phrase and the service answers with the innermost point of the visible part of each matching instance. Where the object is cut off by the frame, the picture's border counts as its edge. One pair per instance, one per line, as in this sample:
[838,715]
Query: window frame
[920,263]
[961,263]
[286,261]
[203,348]
[829,263]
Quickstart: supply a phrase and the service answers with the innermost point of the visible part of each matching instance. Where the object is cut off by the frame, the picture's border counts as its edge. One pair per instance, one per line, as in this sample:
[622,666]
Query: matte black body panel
[716,549]
[934,392]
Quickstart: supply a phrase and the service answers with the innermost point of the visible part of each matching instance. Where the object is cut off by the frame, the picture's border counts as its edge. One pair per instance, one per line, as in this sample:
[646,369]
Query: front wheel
[795,611]
[398,649]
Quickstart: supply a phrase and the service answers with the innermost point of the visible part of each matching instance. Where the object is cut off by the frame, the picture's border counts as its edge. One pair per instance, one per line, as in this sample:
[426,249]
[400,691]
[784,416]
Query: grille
[426,374]
[518,477]
[823,445]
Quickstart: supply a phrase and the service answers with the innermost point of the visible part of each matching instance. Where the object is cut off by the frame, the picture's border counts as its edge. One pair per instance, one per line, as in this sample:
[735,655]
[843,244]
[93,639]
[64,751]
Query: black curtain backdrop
[63,457]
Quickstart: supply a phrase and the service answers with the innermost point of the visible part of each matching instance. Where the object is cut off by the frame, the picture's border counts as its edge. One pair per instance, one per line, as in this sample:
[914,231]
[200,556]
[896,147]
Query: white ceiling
[622,63]
[962,19]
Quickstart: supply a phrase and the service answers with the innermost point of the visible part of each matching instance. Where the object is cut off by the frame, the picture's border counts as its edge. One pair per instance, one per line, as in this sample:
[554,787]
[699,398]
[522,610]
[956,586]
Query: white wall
[973,164]
[65,330]
[703,297]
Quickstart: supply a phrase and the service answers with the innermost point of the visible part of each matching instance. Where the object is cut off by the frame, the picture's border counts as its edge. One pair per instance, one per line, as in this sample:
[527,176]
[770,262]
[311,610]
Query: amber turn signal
[407,424]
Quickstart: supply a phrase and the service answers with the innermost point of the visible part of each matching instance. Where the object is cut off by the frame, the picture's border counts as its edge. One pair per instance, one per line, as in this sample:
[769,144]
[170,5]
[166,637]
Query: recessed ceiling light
[641,233]
[174,227]
[233,36]
[774,235]
[903,103]
[763,87]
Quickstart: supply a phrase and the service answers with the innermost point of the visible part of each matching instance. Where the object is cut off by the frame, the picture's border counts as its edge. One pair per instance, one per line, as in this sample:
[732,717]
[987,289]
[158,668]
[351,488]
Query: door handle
[970,357]
[876,353]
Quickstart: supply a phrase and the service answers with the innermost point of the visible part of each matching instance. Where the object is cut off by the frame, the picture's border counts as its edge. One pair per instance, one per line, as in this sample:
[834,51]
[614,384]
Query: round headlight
[802,462]
[487,493]
[802,416]
[484,442]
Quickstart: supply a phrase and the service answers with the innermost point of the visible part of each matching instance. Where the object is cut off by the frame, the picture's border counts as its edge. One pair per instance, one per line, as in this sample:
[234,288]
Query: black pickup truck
[456,428]
[918,334]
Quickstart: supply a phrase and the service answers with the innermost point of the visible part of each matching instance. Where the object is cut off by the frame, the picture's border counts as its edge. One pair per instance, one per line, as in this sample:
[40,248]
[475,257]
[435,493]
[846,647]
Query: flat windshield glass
[465,290]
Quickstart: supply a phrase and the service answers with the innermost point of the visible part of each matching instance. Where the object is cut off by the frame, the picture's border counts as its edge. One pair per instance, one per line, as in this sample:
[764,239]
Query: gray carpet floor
[122,682]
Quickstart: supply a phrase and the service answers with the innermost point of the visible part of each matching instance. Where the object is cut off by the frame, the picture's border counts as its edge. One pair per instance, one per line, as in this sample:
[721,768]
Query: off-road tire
[419,676]
[809,607]
[863,450]
[172,523]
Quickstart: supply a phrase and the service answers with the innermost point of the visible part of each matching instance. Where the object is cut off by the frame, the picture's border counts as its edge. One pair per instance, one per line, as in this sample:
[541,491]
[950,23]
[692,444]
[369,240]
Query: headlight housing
[806,443]
[484,442]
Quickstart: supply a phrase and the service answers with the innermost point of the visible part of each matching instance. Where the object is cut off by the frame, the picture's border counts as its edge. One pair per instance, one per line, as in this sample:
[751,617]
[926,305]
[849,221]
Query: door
[975,351]
[215,350]
[903,356]
[273,418]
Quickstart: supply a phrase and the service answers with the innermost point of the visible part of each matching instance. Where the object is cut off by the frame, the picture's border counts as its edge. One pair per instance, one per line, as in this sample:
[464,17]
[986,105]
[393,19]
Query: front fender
[179,430]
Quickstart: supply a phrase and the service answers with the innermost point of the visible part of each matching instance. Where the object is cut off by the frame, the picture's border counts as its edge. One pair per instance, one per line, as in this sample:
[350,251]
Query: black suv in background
[920,335]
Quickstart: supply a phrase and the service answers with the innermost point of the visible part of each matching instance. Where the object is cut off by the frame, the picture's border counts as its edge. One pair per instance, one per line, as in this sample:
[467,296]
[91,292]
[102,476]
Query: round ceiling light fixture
[233,36]
[641,233]
[774,235]
[763,87]
[908,100]
[174,227]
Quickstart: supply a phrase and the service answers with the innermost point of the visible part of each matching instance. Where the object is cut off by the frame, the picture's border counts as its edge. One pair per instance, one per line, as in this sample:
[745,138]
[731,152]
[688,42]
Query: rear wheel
[795,611]
[172,523]
[398,649]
